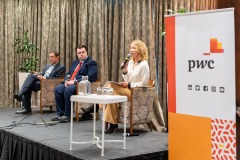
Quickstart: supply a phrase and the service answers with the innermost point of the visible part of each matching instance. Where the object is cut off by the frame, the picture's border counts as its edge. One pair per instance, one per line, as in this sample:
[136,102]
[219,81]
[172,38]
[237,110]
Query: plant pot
[22,76]
[35,102]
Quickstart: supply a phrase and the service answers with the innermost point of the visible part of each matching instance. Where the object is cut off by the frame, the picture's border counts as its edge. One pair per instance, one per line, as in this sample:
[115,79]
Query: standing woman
[135,74]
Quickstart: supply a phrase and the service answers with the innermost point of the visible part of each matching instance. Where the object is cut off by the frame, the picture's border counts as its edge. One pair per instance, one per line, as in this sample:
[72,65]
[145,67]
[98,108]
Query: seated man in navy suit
[32,82]
[83,66]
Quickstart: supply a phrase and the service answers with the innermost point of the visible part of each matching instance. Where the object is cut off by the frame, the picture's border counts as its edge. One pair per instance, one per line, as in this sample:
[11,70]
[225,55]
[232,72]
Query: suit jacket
[57,72]
[89,68]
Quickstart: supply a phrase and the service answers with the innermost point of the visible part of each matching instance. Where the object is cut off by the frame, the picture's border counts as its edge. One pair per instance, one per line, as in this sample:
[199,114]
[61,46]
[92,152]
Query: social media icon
[222,89]
[197,88]
[213,88]
[205,88]
[189,87]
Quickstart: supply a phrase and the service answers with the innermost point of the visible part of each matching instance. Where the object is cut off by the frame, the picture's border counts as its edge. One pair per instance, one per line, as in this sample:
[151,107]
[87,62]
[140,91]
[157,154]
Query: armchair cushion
[47,91]
[142,103]
[45,97]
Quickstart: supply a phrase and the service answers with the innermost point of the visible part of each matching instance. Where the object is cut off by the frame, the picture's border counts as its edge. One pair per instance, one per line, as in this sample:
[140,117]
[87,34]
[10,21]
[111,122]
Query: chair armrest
[47,97]
[142,94]
[49,84]
[138,91]
[142,103]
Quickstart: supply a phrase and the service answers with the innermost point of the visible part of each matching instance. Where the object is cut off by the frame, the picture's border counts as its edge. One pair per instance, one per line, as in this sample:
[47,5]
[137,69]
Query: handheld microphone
[68,77]
[125,61]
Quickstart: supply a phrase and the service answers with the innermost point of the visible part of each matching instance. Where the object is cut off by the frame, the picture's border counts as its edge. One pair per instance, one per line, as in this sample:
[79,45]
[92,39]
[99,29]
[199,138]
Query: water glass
[100,91]
[108,91]
[104,91]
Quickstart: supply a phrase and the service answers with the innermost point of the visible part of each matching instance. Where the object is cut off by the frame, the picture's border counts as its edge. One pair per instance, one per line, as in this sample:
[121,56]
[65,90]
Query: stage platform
[28,141]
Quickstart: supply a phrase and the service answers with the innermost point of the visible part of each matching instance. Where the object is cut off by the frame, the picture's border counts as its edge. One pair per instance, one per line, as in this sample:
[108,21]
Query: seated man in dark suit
[32,82]
[83,66]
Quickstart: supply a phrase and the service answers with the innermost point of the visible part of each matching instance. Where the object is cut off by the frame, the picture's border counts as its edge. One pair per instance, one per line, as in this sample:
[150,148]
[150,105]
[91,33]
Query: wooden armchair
[81,88]
[139,110]
[45,97]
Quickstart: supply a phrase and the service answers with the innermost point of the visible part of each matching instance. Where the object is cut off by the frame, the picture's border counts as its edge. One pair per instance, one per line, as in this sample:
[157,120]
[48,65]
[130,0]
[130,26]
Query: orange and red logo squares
[215,47]
[223,139]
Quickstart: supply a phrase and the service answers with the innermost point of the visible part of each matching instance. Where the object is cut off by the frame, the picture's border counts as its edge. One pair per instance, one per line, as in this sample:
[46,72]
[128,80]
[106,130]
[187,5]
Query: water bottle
[87,85]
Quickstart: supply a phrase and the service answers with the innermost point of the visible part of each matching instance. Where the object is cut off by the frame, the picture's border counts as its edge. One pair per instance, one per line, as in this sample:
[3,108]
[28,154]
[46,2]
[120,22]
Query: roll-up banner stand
[201,85]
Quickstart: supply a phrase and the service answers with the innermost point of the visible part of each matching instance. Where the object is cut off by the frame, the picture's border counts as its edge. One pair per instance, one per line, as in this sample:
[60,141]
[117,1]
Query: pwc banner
[201,85]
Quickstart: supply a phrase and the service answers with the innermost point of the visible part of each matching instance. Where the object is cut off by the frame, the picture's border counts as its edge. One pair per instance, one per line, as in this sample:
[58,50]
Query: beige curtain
[107,27]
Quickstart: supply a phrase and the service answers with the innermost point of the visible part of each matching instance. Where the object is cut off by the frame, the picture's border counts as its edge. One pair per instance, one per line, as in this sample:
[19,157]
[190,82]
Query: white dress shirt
[48,72]
[138,74]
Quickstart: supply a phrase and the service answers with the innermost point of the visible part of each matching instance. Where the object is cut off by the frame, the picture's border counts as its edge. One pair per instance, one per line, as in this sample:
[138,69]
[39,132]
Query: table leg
[94,123]
[103,129]
[124,137]
[71,125]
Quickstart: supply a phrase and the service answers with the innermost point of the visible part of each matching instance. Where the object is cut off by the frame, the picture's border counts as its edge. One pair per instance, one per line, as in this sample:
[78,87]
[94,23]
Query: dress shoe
[90,109]
[24,111]
[111,128]
[64,119]
[18,97]
[86,116]
[56,118]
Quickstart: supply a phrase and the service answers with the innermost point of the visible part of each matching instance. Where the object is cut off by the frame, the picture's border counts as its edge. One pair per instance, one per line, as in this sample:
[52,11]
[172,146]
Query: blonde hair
[141,48]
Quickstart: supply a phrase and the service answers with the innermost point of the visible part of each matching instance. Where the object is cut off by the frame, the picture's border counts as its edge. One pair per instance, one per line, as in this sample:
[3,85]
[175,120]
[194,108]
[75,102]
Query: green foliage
[29,64]
[182,10]
[24,46]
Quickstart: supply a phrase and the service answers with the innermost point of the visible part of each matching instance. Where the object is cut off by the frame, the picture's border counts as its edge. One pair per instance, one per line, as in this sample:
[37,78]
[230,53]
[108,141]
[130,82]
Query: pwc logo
[215,48]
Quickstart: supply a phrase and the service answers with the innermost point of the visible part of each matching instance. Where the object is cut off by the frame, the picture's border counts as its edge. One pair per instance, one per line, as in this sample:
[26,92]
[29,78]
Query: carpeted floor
[57,136]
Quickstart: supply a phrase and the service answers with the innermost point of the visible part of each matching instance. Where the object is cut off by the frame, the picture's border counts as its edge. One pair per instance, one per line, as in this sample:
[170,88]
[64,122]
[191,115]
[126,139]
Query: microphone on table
[125,61]
[131,134]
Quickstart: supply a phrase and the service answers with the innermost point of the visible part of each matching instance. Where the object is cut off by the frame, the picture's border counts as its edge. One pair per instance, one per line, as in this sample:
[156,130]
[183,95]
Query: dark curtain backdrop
[107,27]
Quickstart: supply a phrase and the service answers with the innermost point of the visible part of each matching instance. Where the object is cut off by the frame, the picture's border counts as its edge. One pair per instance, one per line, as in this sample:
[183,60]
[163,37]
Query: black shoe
[86,116]
[111,128]
[64,119]
[24,111]
[57,118]
[18,97]
[90,109]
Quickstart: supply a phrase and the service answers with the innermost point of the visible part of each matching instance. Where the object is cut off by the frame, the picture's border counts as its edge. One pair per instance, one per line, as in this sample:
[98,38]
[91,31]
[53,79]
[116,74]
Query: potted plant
[24,46]
[29,63]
